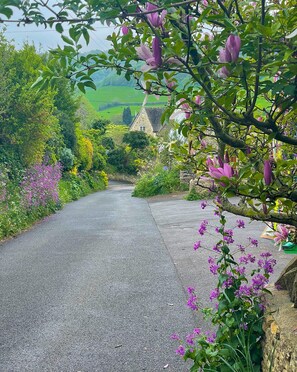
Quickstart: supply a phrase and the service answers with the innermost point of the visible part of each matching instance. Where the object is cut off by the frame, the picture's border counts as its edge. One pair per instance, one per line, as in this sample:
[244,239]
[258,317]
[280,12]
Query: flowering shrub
[40,185]
[237,314]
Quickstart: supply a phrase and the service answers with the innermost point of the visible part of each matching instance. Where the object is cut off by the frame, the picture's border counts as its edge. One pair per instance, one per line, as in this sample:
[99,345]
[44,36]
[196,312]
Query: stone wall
[280,326]
[142,120]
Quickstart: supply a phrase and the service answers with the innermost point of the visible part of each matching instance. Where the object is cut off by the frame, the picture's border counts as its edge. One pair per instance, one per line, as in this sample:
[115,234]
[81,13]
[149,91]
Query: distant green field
[122,96]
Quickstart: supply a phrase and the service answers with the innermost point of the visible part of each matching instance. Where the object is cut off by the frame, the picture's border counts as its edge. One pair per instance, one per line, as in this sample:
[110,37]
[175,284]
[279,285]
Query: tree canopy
[237,99]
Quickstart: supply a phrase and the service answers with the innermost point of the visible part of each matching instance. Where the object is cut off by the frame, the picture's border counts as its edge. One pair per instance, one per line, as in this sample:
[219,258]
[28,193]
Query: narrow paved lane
[92,288]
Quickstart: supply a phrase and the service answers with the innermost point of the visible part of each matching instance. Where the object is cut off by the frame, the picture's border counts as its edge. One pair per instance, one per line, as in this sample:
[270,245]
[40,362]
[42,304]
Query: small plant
[195,195]
[237,315]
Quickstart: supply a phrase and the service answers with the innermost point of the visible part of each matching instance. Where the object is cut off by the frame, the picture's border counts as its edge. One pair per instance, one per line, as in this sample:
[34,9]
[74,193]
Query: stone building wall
[280,326]
[142,120]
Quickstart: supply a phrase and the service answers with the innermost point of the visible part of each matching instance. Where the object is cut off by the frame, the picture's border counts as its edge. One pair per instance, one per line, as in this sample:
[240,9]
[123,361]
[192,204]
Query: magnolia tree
[228,66]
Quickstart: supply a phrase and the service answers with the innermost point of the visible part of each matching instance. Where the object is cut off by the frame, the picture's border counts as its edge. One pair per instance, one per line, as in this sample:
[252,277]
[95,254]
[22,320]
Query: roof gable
[154,114]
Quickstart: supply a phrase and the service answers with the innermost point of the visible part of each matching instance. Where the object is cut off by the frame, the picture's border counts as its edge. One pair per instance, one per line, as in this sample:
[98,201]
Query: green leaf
[67,40]
[59,28]
[86,35]
[81,87]
[7,12]
[90,84]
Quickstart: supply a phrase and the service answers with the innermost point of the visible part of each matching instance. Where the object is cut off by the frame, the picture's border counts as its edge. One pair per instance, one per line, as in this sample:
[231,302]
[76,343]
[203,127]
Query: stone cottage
[148,120]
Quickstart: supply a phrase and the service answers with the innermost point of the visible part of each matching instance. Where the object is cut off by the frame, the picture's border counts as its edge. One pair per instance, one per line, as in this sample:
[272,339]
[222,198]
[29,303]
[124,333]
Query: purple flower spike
[181,350]
[240,224]
[197,245]
[267,172]
[233,47]
[203,205]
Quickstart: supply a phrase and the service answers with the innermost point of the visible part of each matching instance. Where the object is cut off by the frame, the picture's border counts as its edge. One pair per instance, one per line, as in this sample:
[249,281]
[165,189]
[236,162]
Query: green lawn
[123,96]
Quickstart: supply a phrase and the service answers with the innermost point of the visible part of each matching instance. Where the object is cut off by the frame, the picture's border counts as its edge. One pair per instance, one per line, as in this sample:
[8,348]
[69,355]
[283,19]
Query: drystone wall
[280,325]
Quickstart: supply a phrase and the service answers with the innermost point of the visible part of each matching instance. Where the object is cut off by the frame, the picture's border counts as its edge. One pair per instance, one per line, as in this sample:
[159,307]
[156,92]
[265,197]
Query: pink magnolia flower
[153,58]
[233,44]
[225,56]
[281,234]
[155,19]
[229,54]
[215,162]
[186,108]
[267,172]
[144,52]
[225,171]
[223,72]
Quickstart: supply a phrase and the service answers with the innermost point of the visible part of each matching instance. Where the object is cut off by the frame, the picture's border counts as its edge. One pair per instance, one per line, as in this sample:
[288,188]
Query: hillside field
[110,101]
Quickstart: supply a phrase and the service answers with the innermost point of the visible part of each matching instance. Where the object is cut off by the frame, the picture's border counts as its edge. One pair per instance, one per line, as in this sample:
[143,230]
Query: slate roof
[154,115]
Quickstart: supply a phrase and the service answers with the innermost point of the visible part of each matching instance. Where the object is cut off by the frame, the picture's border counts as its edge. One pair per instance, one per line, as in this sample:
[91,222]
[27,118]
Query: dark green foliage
[137,140]
[108,143]
[127,116]
[101,125]
[121,160]
[67,130]
[99,161]
[66,107]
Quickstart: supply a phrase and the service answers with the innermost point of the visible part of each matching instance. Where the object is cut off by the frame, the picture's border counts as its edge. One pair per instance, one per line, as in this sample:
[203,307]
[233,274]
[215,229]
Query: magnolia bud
[227,159]
[125,30]
[157,51]
[267,172]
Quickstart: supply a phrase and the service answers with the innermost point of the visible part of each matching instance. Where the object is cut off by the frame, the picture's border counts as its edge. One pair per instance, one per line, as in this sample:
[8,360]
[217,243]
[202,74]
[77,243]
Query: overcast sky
[49,38]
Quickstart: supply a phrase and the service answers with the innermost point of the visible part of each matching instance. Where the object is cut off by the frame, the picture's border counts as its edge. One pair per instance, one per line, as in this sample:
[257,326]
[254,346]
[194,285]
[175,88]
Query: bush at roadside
[159,181]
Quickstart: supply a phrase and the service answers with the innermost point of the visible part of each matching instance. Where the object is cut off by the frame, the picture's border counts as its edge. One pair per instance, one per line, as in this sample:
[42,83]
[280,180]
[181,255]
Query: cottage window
[142,129]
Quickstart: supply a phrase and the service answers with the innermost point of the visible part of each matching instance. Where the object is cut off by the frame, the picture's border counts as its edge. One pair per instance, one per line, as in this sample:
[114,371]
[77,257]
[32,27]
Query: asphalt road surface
[100,286]
[91,288]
